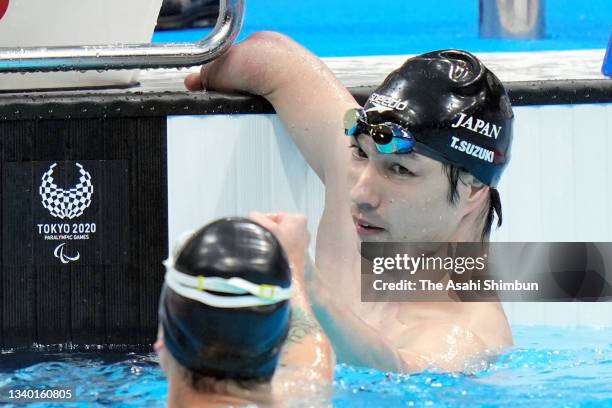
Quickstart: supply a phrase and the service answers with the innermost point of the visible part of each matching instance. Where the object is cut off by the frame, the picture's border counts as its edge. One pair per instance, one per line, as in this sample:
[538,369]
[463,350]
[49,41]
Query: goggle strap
[224,302]
[196,287]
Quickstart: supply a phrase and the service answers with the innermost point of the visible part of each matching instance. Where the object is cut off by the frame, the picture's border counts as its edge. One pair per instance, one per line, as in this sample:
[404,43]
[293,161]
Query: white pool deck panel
[509,67]
[369,71]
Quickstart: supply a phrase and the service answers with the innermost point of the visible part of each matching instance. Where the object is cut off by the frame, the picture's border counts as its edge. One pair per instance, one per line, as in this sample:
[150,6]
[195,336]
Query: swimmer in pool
[233,308]
[420,164]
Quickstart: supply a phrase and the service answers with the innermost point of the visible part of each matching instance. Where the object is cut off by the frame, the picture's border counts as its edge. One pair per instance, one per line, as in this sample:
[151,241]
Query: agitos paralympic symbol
[61,255]
[3,7]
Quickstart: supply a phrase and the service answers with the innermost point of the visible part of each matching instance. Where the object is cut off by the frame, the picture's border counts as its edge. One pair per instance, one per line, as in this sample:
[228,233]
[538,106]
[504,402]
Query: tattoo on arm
[302,325]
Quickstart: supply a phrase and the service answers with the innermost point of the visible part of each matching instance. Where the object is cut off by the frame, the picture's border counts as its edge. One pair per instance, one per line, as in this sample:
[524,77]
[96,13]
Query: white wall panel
[230,165]
[558,186]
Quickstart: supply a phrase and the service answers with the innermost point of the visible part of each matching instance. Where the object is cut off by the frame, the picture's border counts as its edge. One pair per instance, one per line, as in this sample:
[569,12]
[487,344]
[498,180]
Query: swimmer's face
[400,197]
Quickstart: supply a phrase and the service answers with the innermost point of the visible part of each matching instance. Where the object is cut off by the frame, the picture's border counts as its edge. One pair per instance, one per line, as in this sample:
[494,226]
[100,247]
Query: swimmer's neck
[182,396]
[193,399]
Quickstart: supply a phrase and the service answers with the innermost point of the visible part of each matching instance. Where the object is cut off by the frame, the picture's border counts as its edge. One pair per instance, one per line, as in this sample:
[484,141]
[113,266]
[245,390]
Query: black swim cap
[455,108]
[228,343]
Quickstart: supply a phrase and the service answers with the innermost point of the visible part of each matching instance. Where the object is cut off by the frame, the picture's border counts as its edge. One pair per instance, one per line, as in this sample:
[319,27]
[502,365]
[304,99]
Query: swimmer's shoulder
[450,342]
[294,384]
[440,345]
[489,321]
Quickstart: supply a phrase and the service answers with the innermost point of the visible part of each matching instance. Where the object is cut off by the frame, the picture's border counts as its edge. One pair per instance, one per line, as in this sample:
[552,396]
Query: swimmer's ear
[469,180]
[477,192]
[162,354]
[159,345]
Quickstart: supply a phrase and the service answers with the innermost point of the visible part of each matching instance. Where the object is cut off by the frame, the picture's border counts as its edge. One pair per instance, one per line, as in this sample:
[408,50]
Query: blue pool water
[549,366]
[361,27]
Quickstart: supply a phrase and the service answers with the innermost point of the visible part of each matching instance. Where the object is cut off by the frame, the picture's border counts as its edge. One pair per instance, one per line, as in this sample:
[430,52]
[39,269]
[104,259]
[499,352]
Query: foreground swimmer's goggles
[197,288]
[389,137]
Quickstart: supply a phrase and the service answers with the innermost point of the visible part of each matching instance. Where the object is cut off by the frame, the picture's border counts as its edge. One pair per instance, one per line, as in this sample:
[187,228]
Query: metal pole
[129,56]
[512,19]
[606,69]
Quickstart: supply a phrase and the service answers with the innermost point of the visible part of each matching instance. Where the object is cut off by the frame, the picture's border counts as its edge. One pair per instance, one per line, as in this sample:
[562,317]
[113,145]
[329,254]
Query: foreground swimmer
[226,320]
[421,165]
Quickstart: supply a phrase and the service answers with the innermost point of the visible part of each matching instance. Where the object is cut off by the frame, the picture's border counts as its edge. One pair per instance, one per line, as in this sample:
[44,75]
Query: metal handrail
[129,56]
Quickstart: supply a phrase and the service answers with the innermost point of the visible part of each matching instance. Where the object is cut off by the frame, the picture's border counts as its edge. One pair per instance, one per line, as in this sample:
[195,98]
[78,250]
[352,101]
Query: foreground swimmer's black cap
[224,343]
[456,109]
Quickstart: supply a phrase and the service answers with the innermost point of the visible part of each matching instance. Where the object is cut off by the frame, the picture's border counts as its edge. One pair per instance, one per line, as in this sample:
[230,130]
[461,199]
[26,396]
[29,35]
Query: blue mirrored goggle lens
[354,119]
[396,145]
[389,137]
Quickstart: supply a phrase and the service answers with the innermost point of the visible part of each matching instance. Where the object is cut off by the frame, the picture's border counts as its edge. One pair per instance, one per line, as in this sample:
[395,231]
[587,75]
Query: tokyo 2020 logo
[3,7]
[68,203]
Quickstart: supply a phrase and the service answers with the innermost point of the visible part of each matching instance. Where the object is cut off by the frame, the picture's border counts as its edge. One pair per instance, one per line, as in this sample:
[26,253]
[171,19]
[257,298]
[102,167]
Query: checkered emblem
[66,203]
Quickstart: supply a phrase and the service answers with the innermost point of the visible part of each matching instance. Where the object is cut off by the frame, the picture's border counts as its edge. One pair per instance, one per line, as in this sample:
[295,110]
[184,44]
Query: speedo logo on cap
[472,149]
[387,102]
[478,126]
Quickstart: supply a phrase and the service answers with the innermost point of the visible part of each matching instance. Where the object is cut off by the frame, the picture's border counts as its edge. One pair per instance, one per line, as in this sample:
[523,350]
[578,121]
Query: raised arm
[307,351]
[304,92]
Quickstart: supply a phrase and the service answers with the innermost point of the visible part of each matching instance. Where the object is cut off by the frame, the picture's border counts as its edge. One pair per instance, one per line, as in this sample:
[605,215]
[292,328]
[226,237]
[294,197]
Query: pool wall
[557,188]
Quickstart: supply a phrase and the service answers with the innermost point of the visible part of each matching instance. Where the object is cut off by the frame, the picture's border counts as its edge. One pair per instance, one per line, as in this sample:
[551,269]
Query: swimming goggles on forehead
[248,294]
[388,136]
